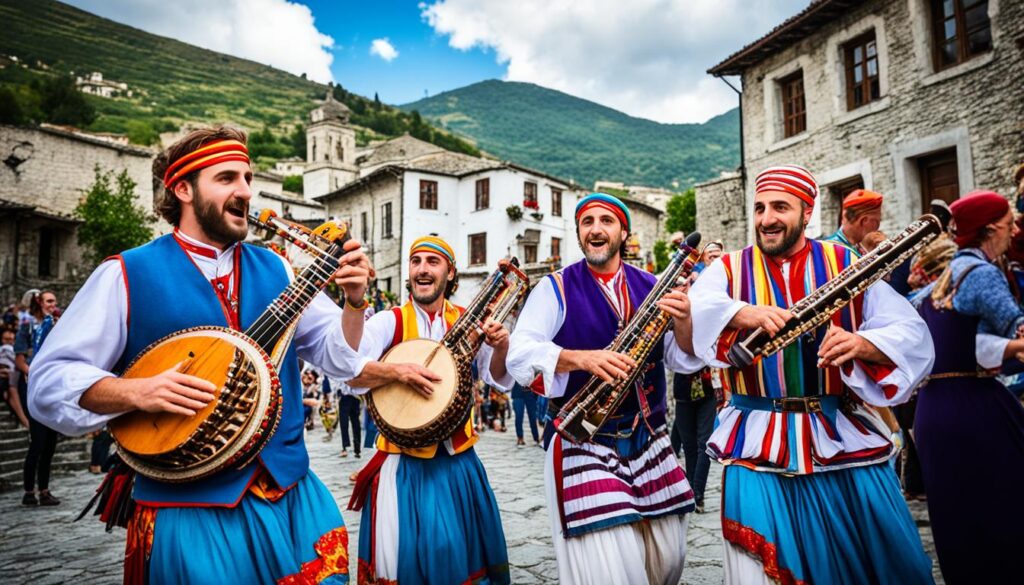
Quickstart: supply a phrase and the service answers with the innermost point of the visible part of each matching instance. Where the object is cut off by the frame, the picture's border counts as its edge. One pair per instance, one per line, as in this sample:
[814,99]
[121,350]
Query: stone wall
[976,107]
[722,211]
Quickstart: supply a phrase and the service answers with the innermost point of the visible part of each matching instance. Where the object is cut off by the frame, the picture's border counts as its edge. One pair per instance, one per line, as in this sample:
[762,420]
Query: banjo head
[403,408]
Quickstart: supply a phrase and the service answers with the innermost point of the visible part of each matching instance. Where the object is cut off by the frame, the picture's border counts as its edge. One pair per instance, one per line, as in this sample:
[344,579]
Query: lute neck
[286,309]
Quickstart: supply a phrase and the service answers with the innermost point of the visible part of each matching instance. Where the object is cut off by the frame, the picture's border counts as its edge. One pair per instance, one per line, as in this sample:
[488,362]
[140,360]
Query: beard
[790,236]
[606,253]
[430,296]
[212,221]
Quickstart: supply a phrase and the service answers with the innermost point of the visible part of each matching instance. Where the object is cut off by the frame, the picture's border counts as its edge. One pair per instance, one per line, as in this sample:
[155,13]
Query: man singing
[272,520]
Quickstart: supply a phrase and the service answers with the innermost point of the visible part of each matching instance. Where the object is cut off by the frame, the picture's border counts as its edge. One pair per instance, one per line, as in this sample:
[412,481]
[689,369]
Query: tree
[376,101]
[292,183]
[112,222]
[682,212]
[297,139]
[62,103]
[661,256]
[10,109]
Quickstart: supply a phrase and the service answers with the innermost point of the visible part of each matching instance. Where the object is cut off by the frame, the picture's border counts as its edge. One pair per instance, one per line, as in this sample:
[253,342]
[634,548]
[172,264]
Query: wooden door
[939,177]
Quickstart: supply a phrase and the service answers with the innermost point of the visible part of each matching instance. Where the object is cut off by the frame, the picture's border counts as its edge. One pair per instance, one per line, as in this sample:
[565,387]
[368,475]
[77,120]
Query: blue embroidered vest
[591,323]
[168,293]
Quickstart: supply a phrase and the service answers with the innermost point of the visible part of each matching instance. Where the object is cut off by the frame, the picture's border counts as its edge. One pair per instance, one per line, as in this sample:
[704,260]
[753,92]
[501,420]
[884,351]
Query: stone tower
[330,149]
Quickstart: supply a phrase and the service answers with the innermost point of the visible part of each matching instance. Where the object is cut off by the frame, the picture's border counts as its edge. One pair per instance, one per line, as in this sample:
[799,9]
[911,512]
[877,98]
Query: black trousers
[101,449]
[348,414]
[41,447]
[695,420]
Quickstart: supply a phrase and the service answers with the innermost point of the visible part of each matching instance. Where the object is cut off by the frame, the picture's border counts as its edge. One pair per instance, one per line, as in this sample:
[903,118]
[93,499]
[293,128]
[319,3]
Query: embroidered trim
[331,559]
[755,544]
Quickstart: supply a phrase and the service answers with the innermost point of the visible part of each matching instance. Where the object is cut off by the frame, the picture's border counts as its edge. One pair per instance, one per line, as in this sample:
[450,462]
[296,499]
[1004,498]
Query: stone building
[94,84]
[408,188]
[916,99]
[42,177]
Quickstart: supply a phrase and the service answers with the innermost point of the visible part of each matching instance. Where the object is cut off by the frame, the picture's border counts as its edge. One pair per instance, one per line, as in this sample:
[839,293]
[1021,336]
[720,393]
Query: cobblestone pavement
[42,546]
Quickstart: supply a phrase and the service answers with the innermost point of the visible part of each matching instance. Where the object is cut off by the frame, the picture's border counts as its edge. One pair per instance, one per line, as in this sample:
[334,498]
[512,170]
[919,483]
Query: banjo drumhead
[406,409]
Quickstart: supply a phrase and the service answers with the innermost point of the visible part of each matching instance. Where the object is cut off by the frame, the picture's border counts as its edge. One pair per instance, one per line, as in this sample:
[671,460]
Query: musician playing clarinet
[808,495]
[271,520]
[618,503]
[428,514]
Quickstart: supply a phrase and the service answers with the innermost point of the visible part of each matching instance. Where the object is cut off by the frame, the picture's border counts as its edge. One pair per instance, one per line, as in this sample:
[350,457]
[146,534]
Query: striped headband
[612,204]
[792,179]
[206,155]
[433,244]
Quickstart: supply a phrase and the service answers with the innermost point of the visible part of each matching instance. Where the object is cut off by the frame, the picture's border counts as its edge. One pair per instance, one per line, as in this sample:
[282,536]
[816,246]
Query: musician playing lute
[618,503]
[808,495]
[272,520]
[428,514]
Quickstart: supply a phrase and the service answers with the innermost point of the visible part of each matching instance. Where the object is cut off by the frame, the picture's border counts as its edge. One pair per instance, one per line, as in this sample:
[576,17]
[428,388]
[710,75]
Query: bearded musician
[618,503]
[272,520]
[808,495]
[428,514]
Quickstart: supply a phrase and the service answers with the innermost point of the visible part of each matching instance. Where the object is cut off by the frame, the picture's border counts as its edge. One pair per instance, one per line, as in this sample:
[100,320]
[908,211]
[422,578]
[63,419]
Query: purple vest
[591,323]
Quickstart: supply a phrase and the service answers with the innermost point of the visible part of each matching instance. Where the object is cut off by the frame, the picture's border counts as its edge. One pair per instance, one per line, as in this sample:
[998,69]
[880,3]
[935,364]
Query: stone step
[11,477]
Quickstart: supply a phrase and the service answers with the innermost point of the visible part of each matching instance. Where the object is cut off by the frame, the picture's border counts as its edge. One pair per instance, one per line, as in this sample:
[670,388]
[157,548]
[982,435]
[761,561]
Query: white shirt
[91,334]
[532,351]
[889,322]
[380,332]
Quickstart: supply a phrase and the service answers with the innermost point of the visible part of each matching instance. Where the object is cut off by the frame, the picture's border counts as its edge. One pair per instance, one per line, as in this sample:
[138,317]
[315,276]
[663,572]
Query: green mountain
[578,139]
[171,83]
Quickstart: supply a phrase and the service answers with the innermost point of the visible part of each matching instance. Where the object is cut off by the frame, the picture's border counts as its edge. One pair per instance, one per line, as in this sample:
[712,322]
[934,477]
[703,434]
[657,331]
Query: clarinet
[580,418]
[818,307]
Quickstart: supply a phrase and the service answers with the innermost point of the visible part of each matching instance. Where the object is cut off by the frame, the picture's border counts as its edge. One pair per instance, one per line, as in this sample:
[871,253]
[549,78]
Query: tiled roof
[403,148]
[795,28]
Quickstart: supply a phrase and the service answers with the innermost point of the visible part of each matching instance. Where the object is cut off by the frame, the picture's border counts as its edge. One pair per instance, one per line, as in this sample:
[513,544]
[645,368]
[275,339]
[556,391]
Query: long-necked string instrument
[235,426]
[817,308]
[580,418]
[409,419]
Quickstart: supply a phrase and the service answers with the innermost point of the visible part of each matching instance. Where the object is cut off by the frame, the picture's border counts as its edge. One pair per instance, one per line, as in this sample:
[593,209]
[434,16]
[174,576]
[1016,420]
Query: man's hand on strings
[771,319]
[171,391]
[841,346]
[605,364]
[354,271]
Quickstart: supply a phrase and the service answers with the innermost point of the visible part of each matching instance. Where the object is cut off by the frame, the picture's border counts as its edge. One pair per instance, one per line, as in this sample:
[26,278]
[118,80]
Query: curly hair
[168,205]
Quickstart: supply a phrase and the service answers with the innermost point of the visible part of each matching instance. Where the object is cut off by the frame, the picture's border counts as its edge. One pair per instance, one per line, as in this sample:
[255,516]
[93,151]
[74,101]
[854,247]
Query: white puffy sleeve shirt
[90,337]
[532,351]
[380,332]
[889,322]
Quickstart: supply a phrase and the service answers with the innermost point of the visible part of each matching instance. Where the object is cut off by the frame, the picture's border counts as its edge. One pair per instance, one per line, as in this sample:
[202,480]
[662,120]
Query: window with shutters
[794,110]
[428,194]
[483,194]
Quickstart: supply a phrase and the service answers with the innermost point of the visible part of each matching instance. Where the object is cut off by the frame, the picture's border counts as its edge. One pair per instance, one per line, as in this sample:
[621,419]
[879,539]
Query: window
[556,248]
[47,252]
[387,284]
[794,112]
[530,195]
[385,220]
[556,202]
[960,30]
[861,71]
[477,249]
[530,253]
[483,193]
[364,227]
[839,191]
[428,194]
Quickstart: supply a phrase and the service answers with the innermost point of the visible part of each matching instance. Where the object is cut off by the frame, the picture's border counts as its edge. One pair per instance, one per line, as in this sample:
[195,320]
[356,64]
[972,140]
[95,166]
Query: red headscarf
[974,211]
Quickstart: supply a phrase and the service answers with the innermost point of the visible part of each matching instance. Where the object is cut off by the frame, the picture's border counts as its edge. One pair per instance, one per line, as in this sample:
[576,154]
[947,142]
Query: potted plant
[537,215]
[515,213]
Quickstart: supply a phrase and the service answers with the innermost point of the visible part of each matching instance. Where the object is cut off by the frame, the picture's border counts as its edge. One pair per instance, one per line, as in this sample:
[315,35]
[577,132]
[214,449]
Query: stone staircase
[72,453]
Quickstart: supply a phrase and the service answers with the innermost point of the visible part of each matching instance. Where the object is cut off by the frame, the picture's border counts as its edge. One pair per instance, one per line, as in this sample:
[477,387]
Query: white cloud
[645,57]
[383,49]
[275,32]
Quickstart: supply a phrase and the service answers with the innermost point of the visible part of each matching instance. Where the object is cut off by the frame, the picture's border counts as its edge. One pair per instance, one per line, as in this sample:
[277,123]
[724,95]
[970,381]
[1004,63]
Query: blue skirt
[257,541]
[449,529]
[844,526]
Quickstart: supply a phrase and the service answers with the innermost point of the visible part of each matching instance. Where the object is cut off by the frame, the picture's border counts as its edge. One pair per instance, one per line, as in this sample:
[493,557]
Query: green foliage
[581,140]
[62,103]
[10,110]
[681,212]
[292,183]
[298,141]
[264,144]
[113,222]
[661,256]
[515,213]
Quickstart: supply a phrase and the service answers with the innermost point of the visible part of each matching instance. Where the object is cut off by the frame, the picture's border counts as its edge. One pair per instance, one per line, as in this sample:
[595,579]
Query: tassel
[113,499]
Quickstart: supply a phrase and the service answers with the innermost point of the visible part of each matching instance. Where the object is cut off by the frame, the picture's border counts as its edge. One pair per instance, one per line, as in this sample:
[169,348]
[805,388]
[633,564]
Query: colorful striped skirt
[845,526]
[618,481]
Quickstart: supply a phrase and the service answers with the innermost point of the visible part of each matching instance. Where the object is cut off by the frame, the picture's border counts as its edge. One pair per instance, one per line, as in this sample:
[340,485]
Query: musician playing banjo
[618,503]
[808,495]
[272,520]
[428,514]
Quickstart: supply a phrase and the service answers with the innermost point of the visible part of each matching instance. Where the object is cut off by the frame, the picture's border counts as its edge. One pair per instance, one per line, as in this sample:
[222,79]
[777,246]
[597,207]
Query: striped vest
[406,329]
[758,280]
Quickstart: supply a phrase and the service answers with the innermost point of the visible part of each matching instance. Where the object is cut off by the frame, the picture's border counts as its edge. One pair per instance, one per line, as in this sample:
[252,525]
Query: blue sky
[425,62]
[646,58]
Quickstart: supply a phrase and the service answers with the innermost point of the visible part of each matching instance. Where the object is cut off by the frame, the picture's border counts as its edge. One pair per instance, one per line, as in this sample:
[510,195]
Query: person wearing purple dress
[969,428]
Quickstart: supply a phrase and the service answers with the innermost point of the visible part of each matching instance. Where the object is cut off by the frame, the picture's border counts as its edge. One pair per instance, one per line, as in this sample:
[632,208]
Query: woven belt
[808,404]
[944,375]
